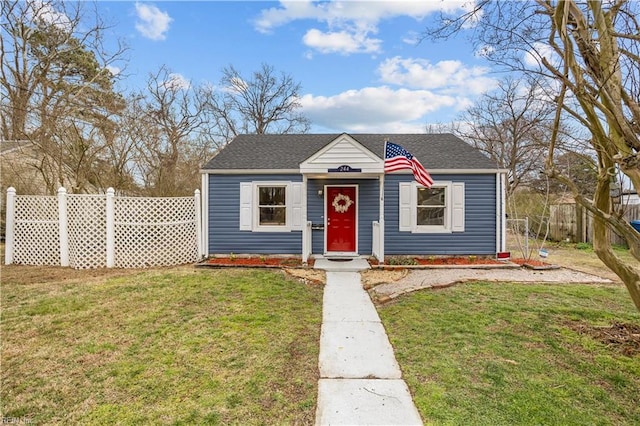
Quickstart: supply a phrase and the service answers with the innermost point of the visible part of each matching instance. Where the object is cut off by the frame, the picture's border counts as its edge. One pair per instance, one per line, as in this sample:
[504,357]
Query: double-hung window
[271,206]
[431,210]
[431,206]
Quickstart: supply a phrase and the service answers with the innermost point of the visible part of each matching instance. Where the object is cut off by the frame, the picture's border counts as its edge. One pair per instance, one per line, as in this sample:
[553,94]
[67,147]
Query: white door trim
[326,216]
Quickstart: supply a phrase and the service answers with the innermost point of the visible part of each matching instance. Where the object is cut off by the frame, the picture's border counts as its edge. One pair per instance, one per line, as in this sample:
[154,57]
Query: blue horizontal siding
[479,236]
[224,220]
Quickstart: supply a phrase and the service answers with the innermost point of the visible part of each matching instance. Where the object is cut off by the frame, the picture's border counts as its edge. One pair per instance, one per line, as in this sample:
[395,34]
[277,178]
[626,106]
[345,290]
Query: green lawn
[191,346]
[511,354]
[175,346]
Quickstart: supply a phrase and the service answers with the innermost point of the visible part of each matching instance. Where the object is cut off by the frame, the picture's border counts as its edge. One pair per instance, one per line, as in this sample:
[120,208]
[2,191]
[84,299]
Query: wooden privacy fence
[574,223]
[92,231]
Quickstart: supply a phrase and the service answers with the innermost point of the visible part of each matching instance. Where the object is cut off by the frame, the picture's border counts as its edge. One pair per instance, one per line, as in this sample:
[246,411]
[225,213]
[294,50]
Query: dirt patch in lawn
[621,337]
[308,276]
[27,274]
[370,277]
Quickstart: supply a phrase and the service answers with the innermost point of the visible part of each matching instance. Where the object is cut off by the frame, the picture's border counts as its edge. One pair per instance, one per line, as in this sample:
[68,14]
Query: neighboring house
[327,195]
[18,162]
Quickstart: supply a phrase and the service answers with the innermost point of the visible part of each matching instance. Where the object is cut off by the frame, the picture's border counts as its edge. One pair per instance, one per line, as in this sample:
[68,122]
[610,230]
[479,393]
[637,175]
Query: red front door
[341,219]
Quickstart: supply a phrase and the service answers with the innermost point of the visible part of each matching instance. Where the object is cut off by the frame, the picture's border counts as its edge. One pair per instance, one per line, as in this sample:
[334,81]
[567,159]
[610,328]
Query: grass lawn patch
[167,346]
[506,354]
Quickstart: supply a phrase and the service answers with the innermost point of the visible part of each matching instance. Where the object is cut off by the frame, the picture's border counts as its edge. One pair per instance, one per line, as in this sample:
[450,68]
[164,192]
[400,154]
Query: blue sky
[358,62]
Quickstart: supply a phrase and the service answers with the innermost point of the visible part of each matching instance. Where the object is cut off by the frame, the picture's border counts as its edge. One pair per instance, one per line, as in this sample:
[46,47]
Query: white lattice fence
[155,231]
[92,231]
[36,231]
[87,225]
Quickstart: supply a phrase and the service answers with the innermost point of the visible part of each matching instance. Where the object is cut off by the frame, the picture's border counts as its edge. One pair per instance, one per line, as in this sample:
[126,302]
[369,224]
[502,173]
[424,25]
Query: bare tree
[512,126]
[591,51]
[265,103]
[56,89]
[170,127]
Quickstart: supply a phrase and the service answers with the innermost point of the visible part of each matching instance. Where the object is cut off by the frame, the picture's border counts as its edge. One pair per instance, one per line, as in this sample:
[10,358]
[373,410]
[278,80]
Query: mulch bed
[289,262]
[256,261]
[437,261]
[458,261]
[621,337]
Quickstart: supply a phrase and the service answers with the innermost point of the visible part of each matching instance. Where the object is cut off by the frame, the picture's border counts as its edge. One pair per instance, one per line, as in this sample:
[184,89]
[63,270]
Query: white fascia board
[454,171]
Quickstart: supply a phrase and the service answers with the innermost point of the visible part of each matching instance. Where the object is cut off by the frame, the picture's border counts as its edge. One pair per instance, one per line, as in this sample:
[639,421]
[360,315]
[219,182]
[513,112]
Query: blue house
[327,195]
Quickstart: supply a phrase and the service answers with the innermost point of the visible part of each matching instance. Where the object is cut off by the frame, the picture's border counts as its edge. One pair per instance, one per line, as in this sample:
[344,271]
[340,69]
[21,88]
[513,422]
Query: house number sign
[344,169]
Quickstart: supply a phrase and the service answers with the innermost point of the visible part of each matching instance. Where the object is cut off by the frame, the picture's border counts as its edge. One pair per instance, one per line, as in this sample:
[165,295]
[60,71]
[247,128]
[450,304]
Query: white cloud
[176,82]
[358,12]
[533,57]
[152,22]
[341,42]
[350,22]
[46,12]
[451,77]
[375,109]
[412,38]
[113,69]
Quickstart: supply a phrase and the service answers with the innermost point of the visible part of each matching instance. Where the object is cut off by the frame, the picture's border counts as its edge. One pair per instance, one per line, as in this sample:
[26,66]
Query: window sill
[431,230]
[271,229]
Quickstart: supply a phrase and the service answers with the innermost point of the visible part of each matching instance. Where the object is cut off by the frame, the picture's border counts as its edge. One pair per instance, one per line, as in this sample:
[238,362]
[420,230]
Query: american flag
[398,158]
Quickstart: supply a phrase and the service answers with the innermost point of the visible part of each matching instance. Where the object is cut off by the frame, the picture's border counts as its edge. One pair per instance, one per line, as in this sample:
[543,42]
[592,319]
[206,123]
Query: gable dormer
[343,153]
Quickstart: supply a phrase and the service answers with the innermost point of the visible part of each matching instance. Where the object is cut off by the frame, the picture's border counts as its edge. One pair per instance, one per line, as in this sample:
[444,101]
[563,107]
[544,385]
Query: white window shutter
[296,206]
[457,207]
[246,195]
[404,196]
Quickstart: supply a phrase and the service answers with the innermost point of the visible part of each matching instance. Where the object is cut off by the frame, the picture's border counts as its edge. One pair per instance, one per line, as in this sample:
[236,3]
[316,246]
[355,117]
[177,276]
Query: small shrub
[401,260]
[584,246]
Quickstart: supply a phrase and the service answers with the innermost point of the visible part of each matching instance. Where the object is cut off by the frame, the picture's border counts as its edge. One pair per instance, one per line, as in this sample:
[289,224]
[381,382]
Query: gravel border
[438,278]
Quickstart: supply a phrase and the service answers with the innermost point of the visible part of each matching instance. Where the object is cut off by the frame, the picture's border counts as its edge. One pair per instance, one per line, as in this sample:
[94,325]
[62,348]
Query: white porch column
[381,219]
[10,226]
[63,226]
[305,229]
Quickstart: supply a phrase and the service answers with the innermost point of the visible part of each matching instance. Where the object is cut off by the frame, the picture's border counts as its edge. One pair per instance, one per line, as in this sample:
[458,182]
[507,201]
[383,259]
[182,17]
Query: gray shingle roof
[264,152]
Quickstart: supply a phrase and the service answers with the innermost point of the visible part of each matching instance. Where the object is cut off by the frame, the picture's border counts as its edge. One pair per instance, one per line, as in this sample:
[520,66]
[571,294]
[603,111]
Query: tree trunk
[629,275]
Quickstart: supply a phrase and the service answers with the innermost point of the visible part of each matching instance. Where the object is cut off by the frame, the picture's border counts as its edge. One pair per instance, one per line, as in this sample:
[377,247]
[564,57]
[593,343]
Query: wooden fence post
[9,235]
[579,225]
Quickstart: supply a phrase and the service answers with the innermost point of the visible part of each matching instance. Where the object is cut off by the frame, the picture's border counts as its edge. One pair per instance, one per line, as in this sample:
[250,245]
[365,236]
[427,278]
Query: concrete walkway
[360,380]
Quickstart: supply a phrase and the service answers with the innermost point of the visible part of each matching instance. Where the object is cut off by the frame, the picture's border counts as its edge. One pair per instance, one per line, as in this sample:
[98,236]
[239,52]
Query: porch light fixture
[319,192]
